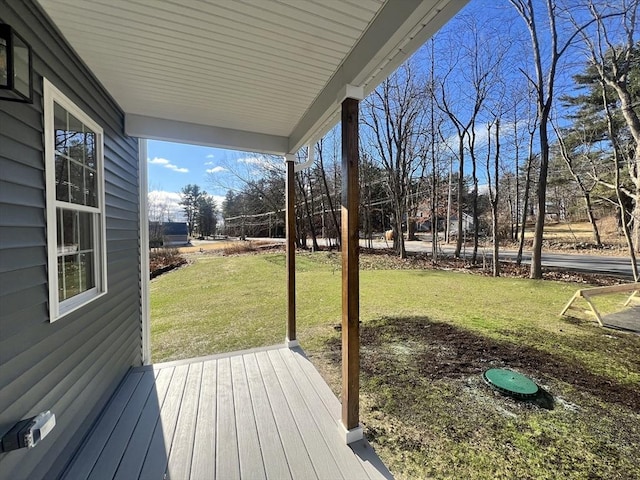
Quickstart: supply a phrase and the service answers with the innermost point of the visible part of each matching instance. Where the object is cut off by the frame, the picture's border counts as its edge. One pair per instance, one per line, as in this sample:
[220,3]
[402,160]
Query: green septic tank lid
[511,383]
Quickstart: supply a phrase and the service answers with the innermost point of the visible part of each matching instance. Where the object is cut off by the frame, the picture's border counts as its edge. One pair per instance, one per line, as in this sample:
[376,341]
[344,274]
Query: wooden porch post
[350,274]
[291,340]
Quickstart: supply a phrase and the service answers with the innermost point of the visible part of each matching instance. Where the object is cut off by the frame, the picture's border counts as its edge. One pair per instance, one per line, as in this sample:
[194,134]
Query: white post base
[353,435]
[291,343]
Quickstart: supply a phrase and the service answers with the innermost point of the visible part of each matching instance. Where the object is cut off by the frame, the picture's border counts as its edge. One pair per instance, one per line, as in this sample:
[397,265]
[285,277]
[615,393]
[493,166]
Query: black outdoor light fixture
[15,67]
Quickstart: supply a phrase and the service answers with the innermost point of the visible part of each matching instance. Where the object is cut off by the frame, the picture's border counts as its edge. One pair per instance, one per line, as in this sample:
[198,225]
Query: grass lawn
[427,336]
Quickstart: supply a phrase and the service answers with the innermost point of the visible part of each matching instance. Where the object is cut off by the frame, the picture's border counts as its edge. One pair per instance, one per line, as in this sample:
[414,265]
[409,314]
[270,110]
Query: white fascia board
[153,128]
[399,29]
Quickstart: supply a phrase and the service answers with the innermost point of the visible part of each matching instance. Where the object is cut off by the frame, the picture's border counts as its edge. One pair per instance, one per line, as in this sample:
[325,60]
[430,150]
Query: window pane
[59,230]
[4,79]
[76,139]
[86,271]
[70,231]
[61,279]
[62,178]
[90,147]
[85,229]
[90,188]
[71,276]
[76,183]
[60,127]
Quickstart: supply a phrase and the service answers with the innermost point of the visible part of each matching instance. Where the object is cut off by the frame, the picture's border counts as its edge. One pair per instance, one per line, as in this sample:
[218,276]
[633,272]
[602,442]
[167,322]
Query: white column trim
[144,253]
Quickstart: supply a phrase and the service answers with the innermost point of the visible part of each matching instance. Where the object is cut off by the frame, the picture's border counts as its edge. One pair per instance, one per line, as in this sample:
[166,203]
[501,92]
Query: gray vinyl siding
[73,365]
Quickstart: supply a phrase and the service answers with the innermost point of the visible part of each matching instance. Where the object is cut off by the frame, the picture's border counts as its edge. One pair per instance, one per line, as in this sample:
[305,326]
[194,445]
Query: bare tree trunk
[494,194]
[585,192]
[332,210]
[617,162]
[308,212]
[459,195]
[474,194]
[517,160]
[525,207]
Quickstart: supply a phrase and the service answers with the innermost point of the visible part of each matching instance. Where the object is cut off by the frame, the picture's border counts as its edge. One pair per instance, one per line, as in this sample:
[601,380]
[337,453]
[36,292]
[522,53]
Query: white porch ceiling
[257,75]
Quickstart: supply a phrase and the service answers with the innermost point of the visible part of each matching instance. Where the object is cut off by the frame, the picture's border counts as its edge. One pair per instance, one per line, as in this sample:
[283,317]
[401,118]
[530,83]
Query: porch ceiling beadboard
[258,75]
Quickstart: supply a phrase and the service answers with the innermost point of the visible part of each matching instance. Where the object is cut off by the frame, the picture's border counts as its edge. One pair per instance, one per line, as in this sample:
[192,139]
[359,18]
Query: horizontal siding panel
[13,193]
[27,155]
[22,258]
[124,193]
[120,175]
[19,131]
[21,216]
[122,224]
[121,234]
[21,174]
[22,237]
[122,214]
[24,116]
[52,366]
[29,283]
[121,245]
[28,317]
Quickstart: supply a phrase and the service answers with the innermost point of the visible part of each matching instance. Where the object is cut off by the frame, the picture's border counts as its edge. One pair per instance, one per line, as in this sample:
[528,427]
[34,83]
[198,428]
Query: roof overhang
[261,76]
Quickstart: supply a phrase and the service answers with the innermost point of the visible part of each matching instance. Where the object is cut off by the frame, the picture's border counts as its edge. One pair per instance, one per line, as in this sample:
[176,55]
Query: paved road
[603,264]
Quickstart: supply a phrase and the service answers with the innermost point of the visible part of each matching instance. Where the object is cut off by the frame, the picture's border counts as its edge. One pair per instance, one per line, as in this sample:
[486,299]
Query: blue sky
[171,166]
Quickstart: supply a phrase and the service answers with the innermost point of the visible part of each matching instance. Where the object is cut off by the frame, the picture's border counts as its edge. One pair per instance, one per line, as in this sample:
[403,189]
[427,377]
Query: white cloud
[167,164]
[211,155]
[164,206]
[158,161]
[208,163]
[216,169]
[252,160]
[218,199]
[175,168]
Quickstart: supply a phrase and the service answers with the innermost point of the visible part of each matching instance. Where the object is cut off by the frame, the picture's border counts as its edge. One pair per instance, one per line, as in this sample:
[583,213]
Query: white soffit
[257,75]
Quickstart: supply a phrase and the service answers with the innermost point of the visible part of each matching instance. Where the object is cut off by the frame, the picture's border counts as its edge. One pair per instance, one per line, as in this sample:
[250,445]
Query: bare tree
[465,88]
[575,161]
[395,117]
[613,52]
[494,197]
[544,83]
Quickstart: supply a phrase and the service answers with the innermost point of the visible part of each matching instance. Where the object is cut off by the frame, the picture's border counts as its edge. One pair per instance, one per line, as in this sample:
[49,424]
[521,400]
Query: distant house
[467,223]
[168,234]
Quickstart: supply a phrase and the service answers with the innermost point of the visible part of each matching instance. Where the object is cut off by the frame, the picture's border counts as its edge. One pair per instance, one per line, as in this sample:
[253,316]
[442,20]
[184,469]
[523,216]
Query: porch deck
[258,414]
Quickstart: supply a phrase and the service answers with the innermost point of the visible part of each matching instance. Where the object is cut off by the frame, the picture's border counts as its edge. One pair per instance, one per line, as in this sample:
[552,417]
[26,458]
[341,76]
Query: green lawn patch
[427,336]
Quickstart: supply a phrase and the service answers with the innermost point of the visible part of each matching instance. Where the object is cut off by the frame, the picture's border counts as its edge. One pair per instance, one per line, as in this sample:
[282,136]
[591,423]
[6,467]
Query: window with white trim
[75,204]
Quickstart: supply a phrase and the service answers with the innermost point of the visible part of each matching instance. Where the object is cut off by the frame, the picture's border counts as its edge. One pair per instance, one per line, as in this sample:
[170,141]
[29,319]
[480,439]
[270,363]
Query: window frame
[60,308]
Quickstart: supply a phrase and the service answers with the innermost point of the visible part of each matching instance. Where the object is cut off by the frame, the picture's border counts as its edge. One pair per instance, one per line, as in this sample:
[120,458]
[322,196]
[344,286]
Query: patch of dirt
[443,351]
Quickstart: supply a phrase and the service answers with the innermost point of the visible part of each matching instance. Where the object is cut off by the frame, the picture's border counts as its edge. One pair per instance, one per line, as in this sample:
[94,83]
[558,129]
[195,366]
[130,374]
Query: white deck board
[275,461]
[258,414]
[157,455]
[132,460]
[227,457]
[179,465]
[314,441]
[251,460]
[204,445]
[328,425]
[298,459]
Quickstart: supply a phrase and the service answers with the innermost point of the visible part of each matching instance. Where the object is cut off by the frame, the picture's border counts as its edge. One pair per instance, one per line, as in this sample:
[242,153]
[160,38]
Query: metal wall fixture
[16,67]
